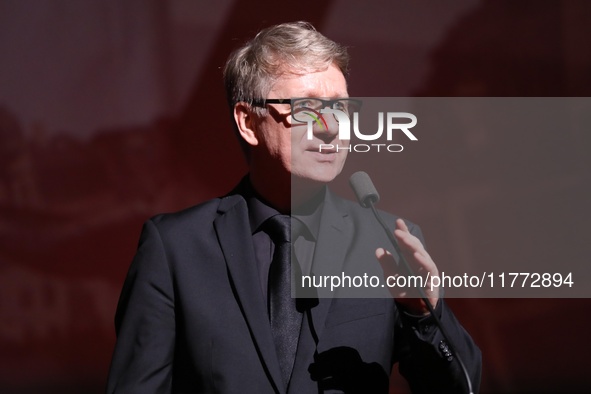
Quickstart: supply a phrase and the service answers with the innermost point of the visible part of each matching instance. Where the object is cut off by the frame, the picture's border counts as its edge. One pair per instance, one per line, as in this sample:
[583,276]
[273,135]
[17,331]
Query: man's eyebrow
[312,95]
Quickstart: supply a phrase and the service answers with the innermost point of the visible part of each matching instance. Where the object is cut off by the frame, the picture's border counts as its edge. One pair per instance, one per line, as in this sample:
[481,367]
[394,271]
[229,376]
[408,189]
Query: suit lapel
[334,236]
[233,231]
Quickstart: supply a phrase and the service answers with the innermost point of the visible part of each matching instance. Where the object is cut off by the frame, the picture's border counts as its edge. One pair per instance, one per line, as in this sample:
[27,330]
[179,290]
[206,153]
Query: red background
[111,112]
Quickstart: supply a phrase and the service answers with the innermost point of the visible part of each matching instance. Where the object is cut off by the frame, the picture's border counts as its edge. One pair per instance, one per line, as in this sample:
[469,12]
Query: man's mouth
[323,149]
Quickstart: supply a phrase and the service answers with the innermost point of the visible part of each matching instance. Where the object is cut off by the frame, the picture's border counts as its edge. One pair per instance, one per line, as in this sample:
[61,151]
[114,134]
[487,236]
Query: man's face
[284,142]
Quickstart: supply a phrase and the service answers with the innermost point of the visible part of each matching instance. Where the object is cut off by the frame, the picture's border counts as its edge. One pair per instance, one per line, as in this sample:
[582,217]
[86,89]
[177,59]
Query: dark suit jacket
[191,317]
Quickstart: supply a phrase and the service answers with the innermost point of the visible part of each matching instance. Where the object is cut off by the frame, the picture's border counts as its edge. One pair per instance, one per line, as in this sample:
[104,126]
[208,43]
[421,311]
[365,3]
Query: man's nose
[328,129]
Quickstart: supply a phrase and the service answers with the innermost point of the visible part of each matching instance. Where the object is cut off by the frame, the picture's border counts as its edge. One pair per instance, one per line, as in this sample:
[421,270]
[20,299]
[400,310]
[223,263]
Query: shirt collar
[309,214]
[259,211]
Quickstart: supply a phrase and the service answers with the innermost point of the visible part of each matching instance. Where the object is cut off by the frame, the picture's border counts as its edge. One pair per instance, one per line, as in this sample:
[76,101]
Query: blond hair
[295,47]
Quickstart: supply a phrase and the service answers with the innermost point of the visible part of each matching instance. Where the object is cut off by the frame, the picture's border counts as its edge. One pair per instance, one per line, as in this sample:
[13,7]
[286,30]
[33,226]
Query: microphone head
[364,189]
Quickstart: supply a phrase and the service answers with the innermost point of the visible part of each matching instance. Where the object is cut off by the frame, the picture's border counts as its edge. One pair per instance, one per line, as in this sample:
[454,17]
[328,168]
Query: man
[198,311]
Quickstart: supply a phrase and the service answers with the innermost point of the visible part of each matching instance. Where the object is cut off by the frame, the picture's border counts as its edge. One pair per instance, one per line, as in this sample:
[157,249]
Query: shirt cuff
[423,326]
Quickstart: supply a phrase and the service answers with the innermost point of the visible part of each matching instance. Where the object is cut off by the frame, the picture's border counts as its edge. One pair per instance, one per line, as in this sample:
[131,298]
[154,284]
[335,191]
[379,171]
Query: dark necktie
[284,318]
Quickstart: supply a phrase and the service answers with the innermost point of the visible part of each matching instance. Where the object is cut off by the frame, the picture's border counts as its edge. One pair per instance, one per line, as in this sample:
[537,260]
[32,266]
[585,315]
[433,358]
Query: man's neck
[283,194]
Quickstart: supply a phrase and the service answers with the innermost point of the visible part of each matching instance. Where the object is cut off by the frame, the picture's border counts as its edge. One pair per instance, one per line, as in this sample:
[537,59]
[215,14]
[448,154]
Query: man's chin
[317,177]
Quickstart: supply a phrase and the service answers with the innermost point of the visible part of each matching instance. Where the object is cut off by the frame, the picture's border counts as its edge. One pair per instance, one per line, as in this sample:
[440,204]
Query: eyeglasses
[305,108]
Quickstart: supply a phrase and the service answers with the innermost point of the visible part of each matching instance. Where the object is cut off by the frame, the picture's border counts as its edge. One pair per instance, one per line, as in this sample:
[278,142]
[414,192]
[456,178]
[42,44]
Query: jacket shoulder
[199,217]
[363,216]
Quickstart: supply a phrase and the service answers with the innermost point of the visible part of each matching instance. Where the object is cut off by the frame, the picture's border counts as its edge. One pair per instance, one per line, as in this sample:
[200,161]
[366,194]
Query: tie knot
[279,228]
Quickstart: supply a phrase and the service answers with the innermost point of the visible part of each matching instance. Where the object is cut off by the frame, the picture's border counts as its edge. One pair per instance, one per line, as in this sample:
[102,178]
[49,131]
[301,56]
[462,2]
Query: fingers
[419,261]
[387,262]
[401,225]
[408,242]
[412,249]
[390,269]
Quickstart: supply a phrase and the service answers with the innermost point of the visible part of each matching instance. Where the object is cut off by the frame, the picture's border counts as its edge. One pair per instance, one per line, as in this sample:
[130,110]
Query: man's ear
[245,120]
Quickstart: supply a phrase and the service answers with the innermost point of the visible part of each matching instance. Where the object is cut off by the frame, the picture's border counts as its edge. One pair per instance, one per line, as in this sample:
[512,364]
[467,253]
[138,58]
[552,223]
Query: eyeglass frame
[262,103]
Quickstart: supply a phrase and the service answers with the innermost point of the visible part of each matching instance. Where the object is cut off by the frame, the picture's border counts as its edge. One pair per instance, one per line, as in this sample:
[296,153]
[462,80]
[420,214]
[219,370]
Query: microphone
[368,195]
[364,189]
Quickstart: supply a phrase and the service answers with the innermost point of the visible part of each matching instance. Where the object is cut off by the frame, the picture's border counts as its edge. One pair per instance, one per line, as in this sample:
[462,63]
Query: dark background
[113,111]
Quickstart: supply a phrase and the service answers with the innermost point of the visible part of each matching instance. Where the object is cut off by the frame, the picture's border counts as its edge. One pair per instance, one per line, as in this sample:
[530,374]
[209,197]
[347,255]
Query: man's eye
[341,106]
[300,104]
